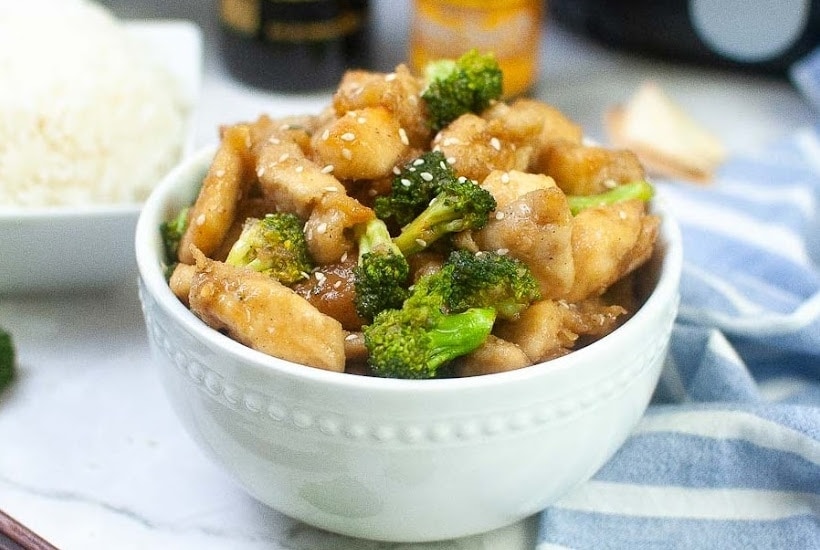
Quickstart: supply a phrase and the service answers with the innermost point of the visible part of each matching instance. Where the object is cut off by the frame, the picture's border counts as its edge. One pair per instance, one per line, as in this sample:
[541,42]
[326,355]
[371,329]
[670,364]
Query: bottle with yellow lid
[511,29]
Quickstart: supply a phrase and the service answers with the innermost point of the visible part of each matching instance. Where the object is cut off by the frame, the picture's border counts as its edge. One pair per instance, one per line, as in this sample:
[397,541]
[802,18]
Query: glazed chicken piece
[507,187]
[291,180]
[588,170]
[363,144]
[494,355]
[536,228]
[258,311]
[534,124]
[475,147]
[329,229]
[608,242]
[550,328]
[398,92]
[214,211]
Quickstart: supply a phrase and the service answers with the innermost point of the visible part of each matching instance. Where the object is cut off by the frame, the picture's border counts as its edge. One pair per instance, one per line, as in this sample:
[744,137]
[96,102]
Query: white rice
[85,116]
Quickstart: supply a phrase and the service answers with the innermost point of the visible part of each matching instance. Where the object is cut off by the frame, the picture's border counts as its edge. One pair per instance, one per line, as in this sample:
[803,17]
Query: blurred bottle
[511,29]
[295,45]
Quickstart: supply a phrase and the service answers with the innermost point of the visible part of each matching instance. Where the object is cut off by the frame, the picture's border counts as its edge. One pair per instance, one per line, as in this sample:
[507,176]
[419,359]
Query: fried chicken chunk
[263,314]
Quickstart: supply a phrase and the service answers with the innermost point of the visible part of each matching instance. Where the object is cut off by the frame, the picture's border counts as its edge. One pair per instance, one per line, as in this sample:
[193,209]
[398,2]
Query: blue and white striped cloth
[728,454]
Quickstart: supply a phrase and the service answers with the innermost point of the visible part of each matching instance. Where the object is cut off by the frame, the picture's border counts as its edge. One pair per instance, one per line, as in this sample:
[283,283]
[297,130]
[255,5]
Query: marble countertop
[91,454]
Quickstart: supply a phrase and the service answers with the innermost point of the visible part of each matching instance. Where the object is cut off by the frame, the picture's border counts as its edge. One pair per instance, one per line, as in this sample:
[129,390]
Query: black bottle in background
[755,35]
[294,45]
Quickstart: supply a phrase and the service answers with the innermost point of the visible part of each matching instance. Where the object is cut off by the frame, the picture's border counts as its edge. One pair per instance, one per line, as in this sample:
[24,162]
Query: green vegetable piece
[468,84]
[416,341]
[381,276]
[7,359]
[461,204]
[642,190]
[171,232]
[414,187]
[274,245]
[488,279]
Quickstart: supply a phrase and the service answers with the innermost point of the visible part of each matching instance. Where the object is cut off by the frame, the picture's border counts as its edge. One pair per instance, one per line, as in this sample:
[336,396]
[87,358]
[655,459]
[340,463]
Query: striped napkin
[728,454]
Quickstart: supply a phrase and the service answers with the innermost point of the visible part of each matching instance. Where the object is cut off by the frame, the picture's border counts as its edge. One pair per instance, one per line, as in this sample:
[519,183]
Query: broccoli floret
[461,204]
[468,84]
[171,232]
[642,190]
[414,187]
[418,339]
[274,245]
[488,279]
[6,359]
[381,276]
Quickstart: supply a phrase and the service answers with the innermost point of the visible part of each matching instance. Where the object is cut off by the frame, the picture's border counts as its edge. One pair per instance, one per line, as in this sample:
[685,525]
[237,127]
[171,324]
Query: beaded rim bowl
[401,460]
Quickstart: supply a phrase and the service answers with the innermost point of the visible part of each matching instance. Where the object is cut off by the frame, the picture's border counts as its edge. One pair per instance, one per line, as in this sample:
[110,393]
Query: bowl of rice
[87,128]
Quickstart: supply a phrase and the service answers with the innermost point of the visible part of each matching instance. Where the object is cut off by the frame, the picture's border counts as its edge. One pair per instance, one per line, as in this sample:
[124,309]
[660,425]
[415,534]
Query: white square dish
[68,247]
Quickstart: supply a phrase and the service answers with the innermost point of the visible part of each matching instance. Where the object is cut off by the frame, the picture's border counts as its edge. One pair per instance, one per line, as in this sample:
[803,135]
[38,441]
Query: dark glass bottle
[294,45]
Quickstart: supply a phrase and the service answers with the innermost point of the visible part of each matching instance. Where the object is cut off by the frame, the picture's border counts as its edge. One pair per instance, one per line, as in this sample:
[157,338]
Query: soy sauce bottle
[294,45]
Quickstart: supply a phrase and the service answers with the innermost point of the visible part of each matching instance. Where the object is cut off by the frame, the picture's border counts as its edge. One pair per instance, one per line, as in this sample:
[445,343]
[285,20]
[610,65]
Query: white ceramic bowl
[67,247]
[400,460]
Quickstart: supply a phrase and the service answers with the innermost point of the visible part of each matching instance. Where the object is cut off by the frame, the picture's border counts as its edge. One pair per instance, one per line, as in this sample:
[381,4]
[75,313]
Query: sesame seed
[304,275]
[461,179]
[260,171]
[337,284]
[622,215]
[351,336]
[200,220]
[219,173]
[347,153]
[284,157]
[390,77]
[403,136]
[505,177]
[320,276]
[421,242]
[396,170]
[451,141]
[285,126]
[331,189]
[325,134]
[495,144]
[418,162]
[274,140]
[610,183]
[451,160]
[426,176]
[300,169]
[321,229]
[344,257]
[502,251]
[327,169]
[442,165]
[348,136]
[499,215]
[406,182]
[361,120]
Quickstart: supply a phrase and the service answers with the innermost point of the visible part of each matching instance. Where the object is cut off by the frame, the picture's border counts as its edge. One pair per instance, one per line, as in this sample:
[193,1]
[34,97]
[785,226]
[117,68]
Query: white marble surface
[92,456]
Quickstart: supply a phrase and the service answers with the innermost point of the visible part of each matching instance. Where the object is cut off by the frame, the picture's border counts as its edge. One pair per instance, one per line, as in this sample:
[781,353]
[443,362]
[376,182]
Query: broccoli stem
[458,334]
[642,190]
[374,236]
[382,272]
[437,220]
